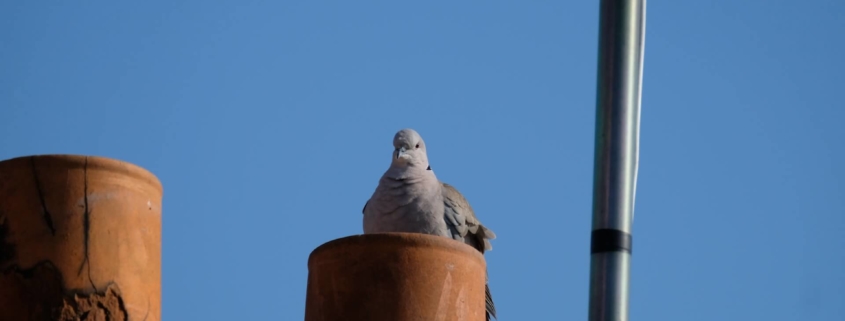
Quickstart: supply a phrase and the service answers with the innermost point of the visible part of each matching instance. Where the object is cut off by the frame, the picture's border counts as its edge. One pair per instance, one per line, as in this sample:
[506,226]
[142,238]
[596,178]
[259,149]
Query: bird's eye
[418,146]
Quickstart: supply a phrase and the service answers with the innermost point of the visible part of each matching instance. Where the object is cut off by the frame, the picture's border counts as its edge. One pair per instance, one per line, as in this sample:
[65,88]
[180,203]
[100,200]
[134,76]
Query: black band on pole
[610,240]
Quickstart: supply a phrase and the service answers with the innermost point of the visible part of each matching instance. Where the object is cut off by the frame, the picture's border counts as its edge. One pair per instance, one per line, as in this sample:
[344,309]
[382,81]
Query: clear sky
[270,122]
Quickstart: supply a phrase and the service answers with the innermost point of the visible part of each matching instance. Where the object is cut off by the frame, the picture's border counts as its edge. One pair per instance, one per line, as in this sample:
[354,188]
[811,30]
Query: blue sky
[270,122]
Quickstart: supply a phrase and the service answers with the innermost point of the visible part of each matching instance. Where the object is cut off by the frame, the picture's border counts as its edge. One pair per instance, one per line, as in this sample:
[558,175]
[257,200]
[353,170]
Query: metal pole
[621,43]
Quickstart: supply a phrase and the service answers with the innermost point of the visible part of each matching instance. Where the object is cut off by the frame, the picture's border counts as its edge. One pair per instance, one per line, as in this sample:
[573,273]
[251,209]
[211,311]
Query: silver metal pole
[621,43]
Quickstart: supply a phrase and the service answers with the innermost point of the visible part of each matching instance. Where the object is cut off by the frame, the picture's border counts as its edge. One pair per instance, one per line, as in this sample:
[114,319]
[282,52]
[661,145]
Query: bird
[410,198]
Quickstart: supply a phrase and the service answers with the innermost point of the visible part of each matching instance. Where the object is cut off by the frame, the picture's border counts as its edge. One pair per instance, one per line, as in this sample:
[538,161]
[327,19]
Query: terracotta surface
[395,277]
[80,239]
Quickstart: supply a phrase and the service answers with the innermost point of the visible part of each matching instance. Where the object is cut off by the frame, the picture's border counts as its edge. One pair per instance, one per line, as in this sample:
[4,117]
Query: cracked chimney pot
[395,277]
[80,239]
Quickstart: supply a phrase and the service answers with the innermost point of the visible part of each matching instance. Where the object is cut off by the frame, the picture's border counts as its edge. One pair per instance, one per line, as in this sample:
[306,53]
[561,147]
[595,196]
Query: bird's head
[409,149]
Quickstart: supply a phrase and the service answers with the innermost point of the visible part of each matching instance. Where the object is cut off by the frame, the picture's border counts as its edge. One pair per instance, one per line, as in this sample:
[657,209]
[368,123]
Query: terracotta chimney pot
[395,277]
[80,239]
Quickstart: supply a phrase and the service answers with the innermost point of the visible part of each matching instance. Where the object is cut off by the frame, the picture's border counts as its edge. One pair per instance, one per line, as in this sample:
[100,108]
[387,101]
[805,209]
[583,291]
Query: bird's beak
[402,152]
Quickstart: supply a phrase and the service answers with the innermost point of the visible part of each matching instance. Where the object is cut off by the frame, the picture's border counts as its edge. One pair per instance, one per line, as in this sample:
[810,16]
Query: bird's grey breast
[405,204]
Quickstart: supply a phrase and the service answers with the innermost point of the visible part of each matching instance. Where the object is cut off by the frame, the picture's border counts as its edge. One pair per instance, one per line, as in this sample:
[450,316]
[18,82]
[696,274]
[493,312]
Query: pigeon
[409,198]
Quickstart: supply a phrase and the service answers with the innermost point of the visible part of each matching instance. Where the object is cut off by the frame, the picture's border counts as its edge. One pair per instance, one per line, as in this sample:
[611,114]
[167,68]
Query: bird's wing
[467,228]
